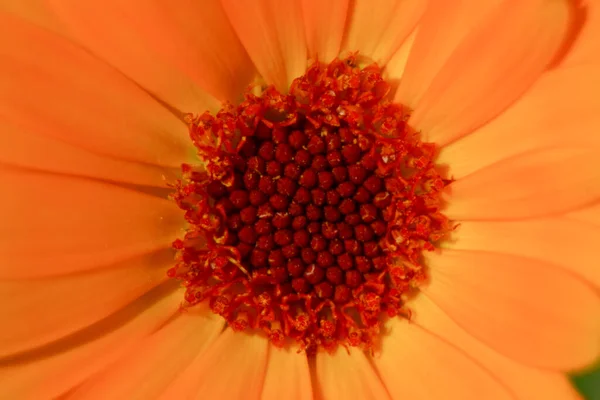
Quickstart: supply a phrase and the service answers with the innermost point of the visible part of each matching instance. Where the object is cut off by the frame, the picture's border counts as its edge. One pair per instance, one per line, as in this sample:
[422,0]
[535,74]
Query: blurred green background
[589,384]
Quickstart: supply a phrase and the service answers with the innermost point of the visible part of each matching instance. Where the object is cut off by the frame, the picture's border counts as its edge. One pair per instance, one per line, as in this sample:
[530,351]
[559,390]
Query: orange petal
[590,214]
[521,381]
[180,51]
[272,31]
[324,23]
[569,244]
[55,369]
[287,375]
[441,29]
[378,32]
[35,11]
[39,150]
[493,66]
[43,310]
[528,310]
[54,225]
[416,365]
[75,98]
[348,375]
[394,69]
[146,371]
[231,368]
[585,48]
[538,183]
[560,109]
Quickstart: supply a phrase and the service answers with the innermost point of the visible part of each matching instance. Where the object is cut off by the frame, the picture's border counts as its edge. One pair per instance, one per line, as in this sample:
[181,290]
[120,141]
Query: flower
[93,105]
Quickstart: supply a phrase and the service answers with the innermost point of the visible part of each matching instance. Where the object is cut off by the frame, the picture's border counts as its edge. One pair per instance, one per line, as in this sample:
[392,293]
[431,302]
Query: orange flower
[93,99]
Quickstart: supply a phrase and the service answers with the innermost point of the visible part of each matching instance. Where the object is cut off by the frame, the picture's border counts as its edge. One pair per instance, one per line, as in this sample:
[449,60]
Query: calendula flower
[298,199]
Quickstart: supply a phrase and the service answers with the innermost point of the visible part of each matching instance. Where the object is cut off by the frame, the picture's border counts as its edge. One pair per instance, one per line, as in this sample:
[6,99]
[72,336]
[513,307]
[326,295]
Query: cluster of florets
[310,211]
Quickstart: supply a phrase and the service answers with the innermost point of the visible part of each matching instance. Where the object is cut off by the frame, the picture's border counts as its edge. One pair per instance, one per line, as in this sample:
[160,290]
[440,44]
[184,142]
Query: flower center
[310,211]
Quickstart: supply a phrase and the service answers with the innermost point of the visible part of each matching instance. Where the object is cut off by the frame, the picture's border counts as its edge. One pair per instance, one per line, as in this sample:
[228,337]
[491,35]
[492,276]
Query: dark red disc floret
[310,210]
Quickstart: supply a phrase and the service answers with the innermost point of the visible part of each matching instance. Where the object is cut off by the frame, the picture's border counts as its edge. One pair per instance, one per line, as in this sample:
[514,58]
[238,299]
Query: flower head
[298,199]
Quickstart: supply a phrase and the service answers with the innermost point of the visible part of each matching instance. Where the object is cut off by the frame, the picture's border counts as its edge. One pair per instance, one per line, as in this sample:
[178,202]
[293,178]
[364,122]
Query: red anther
[247,235]
[303,158]
[276,258]
[334,158]
[283,237]
[351,153]
[325,259]
[299,222]
[216,189]
[245,249]
[257,164]
[346,189]
[295,210]
[308,179]
[353,219]
[318,242]
[316,145]
[290,251]
[363,264]
[353,247]
[239,198]
[248,215]
[225,204]
[318,196]
[332,214]
[362,195]
[265,242]
[324,290]
[266,185]
[340,174]
[273,168]
[300,285]
[313,227]
[329,230]
[302,196]
[336,246]
[373,184]
[341,294]
[248,148]
[347,206]
[281,220]
[295,267]
[369,162]
[279,274]
[334,275]
[235,222]
[371,249]
[357,174]
[257,197]
[379,227]
[382,200]
[301,238]
[292,171]
[333,142]
[279,202]
[345,261]
[326,180]
[258,258]
[368,213]
[266,151]
[364,233]
[284,153]
[280,136]
[319,163]
[333,197]
[286,186]
[353,278]
[265,211]
[380,263]
[314,274]
[308,255]
[298,139]
[345,231]
[313,213]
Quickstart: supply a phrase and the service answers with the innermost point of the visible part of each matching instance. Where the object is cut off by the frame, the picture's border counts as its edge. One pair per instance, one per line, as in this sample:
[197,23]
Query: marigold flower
[298,199]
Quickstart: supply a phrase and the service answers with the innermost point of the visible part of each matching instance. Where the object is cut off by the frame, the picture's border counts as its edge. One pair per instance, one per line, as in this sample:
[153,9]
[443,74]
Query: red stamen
[310,212]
